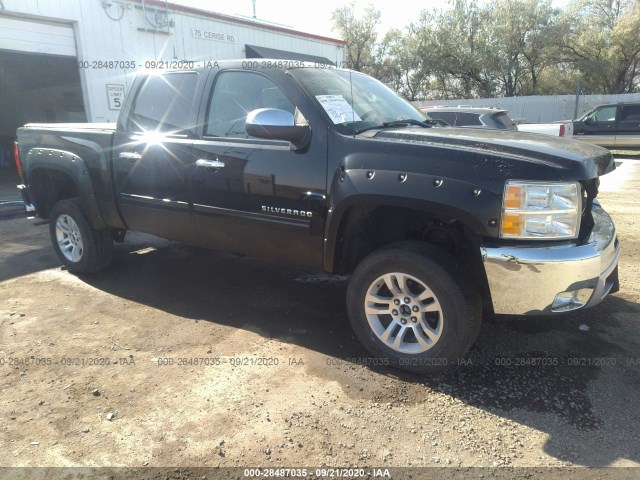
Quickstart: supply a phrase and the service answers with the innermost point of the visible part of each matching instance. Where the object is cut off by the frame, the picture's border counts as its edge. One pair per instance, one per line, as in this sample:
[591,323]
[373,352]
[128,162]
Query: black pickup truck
[329,169]
[614,125]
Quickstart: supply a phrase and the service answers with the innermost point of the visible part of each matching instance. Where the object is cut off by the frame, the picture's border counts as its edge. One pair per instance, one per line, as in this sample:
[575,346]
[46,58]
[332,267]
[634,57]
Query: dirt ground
[178,356]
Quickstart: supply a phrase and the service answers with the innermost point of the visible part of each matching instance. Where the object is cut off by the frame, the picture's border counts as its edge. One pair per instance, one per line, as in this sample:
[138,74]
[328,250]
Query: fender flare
[75,168]
[449,198]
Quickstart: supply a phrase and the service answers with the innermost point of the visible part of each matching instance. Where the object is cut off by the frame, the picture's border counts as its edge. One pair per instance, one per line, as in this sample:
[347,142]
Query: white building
[73,60]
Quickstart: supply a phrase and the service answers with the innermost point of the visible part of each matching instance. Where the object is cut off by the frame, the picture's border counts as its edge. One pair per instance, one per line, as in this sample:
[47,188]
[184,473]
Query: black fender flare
[477,209]
[75,168]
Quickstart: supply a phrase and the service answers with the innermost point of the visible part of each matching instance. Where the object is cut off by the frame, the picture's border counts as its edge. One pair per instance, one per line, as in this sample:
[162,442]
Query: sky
[315,16]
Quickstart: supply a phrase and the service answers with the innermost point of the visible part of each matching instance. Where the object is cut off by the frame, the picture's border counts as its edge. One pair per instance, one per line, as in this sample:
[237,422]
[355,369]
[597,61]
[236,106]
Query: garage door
[36,37]
[42,81]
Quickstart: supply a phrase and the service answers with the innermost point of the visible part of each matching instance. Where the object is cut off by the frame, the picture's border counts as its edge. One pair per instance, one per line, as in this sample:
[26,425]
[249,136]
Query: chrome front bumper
[547,280]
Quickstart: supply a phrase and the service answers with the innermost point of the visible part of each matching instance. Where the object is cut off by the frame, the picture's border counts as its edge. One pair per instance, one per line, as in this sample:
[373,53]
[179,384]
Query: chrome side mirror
[276,124]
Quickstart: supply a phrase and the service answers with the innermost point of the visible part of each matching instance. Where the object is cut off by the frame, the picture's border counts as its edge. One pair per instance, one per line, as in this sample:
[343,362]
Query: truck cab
[611,125]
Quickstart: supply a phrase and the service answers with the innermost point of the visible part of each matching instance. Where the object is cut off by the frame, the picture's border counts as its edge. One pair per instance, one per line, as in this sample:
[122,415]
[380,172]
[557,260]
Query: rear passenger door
[153,157]
[252,195]
[628,130]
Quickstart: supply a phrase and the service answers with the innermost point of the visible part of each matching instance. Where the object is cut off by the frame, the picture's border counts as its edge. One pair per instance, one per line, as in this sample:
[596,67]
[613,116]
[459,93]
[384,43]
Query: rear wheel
[412,304]
[80,247]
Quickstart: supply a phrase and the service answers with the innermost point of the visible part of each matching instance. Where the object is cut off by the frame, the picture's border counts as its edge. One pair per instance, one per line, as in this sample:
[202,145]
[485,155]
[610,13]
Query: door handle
[130,155]
[209,163]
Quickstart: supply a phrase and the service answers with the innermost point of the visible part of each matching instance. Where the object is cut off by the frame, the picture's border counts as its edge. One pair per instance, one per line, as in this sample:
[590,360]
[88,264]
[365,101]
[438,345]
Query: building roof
[239,21]
[254,51]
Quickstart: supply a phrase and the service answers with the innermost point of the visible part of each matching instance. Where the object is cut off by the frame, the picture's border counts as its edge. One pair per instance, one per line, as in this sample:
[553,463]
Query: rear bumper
[548,280]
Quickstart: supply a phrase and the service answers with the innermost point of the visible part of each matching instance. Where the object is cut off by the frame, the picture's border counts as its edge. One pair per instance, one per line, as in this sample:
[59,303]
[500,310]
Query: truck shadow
[548,374]
[25,249]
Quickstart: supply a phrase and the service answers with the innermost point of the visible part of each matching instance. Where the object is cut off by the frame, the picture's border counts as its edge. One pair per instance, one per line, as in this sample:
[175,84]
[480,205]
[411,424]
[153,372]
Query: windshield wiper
[399,123]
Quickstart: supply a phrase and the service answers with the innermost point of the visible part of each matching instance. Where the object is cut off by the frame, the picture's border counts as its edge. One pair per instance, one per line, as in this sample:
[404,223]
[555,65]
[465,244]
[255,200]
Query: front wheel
[411,304]
[80,247]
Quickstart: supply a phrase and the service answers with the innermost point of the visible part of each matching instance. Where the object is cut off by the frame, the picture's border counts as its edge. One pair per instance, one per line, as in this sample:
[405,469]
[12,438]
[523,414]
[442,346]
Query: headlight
[532,210]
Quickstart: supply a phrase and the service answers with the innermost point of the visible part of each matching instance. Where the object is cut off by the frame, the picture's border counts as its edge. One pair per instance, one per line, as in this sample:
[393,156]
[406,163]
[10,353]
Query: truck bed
[74,156]
[555,129]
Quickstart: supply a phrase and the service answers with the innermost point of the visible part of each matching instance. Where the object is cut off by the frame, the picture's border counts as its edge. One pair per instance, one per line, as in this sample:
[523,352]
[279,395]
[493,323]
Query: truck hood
[519,146]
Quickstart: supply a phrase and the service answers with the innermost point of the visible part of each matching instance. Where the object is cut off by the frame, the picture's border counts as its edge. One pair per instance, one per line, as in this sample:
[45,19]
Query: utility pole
[575,110]
[254,8]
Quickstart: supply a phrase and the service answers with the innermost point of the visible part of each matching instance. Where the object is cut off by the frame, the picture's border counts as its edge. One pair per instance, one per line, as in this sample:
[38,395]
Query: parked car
[332,170]
[472,117]
[612,125]
[496,118]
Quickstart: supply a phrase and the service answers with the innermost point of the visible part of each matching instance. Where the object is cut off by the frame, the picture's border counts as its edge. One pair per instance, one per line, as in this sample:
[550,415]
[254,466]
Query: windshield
[355,101]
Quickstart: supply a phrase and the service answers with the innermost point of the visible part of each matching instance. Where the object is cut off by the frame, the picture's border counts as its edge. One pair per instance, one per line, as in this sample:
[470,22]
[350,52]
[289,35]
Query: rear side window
[448,117]
[164,103]
[630,113]
[468,119]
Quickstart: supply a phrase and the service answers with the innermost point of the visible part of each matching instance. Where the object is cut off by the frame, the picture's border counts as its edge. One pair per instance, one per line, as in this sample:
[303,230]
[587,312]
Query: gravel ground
[181,357]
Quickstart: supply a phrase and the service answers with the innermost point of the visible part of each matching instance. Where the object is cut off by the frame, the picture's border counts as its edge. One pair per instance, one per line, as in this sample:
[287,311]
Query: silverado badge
[287,211]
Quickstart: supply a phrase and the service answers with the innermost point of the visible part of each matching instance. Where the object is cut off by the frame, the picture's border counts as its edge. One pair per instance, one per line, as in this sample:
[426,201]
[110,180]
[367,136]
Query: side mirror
[588,120]
[276,124]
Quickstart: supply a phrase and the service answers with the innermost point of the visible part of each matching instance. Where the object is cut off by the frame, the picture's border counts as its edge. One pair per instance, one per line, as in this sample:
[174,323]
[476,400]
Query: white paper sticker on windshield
[338,108]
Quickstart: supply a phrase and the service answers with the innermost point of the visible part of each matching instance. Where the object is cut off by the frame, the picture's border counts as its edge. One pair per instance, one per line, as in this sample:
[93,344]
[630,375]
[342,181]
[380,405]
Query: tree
[522,35]
[500,48]
[359,33]
[601,41]
[399,65]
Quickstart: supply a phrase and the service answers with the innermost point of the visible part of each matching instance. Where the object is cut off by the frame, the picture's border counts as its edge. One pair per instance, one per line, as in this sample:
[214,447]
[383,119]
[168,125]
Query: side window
[605,114]
[468,119]
[164,103]
[235,94]
[630,113]
[450,118]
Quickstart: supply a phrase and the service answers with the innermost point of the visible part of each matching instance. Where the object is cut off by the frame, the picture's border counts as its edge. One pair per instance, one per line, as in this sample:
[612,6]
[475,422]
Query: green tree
[359,33]
[399,65]
[522,36]
[601,40]
[500,48]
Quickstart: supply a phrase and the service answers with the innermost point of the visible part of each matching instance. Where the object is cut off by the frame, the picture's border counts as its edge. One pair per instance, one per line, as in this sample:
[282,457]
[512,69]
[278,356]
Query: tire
[427,316]
[80,247]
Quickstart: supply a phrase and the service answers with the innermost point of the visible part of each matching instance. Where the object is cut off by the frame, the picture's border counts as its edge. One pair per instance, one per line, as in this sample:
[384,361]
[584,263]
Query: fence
[540,109]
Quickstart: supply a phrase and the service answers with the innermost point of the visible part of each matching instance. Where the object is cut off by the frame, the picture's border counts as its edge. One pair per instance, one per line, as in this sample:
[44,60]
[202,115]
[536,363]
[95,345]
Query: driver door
[599,127]
[251,195]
